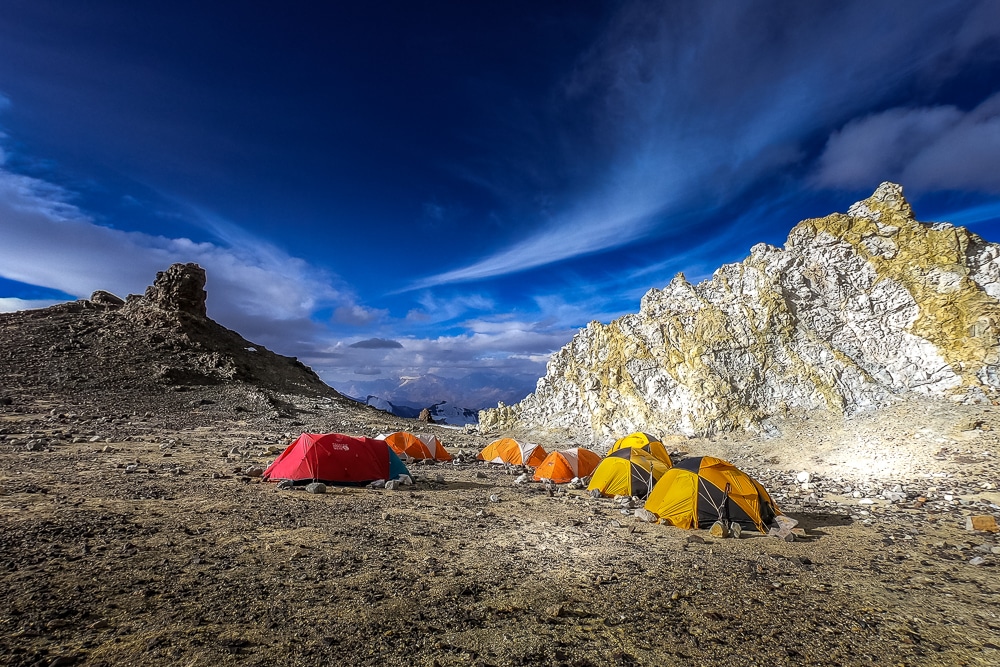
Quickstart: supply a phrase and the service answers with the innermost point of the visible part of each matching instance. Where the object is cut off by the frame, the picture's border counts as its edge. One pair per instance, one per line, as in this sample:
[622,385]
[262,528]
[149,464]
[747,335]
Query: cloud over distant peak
[377,344]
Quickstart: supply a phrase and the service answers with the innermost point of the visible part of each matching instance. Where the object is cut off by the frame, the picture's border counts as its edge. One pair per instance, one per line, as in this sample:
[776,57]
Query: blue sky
[424,200]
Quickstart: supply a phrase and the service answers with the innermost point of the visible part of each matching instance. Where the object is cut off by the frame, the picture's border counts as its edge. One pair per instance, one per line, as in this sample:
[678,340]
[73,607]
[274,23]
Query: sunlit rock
[854,311]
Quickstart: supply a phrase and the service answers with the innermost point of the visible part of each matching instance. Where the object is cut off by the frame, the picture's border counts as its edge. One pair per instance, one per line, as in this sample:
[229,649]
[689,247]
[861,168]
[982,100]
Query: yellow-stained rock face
[855,310]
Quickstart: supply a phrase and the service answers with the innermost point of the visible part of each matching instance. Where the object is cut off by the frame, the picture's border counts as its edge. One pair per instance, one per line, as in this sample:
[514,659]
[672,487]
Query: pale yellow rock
[855,311]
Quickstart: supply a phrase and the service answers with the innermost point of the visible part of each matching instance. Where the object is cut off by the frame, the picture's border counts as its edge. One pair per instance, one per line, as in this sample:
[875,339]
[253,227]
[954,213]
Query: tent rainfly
[508,450]
[564,465]
[336,458]
[627,472]
[417,447]
[701,490]
[644,441]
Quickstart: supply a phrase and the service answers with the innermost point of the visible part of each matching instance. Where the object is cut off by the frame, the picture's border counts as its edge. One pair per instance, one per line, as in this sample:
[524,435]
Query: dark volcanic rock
[102,298]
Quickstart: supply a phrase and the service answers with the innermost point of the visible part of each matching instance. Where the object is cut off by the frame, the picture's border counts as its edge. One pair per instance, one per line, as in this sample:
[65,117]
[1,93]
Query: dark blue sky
[463,185]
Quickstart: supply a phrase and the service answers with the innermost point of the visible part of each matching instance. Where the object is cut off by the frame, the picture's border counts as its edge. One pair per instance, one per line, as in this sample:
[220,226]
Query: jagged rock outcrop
[855,310]
[146,351]
[176,294]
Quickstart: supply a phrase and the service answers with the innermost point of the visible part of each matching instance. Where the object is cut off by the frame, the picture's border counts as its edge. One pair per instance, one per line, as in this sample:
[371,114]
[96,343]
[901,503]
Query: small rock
[978,560]
[984,522]
[803,477]
[719,529]
[254,471]
[695,539]
[521,479]
[494,498]
[286,484]
[405,480]
[480,474]
[377,484]
[392,485]
[316,487]
[439,479]
[643,514]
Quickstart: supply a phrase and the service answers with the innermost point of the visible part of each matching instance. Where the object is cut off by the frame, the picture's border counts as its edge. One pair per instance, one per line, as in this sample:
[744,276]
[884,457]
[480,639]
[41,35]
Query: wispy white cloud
[357,315]
[974,215]
[693,103]
[437,309]
[12,304]
[253,286]
[261,292]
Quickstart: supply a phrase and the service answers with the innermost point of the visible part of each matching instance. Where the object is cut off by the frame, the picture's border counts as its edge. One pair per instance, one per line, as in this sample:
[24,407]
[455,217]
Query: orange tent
[425,447]
[434,445]
[509,450]
[563,466]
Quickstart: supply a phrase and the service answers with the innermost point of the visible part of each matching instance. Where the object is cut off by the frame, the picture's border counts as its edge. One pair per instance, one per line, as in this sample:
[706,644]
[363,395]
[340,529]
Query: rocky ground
[134,529]
[140,539]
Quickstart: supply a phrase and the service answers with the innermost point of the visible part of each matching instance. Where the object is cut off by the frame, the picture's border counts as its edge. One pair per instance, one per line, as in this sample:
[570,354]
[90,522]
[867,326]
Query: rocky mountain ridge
[148,352]
[854,311]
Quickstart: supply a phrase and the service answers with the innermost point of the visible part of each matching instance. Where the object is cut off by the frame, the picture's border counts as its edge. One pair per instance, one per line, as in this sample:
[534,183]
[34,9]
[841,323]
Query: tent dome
[336,458]
[694,492]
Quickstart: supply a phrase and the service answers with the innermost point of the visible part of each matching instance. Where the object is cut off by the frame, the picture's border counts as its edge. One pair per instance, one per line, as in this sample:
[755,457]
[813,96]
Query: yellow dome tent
[645,442]
[702,490]
[627,472]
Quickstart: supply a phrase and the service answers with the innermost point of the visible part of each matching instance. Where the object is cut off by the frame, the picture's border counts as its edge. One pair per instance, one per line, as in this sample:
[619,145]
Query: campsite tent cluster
[693,493]
[335,458]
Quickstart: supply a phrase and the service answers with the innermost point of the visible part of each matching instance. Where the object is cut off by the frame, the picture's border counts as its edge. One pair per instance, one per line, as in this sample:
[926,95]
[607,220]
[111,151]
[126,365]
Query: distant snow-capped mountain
[405,411]
[477,390]
[444,413]
[441,413]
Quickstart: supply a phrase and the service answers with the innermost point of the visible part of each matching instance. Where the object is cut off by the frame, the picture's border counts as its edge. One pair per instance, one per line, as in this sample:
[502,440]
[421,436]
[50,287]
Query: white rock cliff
[856,310]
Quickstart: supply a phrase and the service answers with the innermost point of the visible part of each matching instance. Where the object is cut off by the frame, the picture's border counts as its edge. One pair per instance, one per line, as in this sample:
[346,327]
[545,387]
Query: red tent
[336,458]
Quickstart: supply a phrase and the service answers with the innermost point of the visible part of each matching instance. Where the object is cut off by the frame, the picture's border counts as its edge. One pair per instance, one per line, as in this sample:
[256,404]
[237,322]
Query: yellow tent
[644,441]
[703,490]
[627,472]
